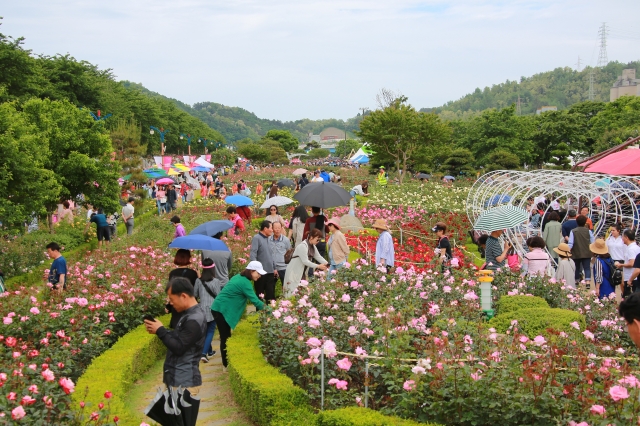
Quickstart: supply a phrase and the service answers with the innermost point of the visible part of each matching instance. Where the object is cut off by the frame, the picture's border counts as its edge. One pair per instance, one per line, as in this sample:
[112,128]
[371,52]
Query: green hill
[561,87]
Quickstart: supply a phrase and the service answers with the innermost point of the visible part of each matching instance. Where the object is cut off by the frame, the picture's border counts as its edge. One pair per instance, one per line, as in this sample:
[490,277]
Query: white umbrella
[276,201]
[299,172]
[501,217]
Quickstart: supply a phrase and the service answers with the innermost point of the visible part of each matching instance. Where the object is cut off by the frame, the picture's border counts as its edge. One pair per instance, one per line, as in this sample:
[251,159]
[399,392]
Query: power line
[602,34]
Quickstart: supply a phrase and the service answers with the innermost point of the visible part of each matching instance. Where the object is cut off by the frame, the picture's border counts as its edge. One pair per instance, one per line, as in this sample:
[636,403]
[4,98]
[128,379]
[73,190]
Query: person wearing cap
[301,260]
[231,303]
[127,215]
[602,268]
[385,254]
[566,267]
[337,246]
[382,177]
[443,247]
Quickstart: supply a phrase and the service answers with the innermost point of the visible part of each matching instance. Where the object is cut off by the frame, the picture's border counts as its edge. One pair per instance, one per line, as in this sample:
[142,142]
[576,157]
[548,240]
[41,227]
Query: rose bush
[432,358]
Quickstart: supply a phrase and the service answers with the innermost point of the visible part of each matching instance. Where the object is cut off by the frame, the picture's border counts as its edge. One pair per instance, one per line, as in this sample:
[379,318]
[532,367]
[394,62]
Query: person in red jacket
[238,224]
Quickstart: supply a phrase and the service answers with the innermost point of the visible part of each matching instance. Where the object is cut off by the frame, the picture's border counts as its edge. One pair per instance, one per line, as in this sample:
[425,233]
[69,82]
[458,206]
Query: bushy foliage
[514,303]
[536,321]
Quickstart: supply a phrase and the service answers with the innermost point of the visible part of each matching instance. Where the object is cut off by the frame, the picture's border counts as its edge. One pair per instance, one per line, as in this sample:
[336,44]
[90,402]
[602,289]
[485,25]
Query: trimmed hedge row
[515,303]
[117,369]
[535,321]
[270,398]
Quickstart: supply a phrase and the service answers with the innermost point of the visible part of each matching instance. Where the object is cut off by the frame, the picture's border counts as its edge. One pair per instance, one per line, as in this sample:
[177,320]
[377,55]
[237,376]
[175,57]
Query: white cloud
[293,59]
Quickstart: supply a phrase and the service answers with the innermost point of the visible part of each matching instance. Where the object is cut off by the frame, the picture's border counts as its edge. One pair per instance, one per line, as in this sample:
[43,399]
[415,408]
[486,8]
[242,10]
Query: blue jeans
[335,268]
[159,207]
[211,329]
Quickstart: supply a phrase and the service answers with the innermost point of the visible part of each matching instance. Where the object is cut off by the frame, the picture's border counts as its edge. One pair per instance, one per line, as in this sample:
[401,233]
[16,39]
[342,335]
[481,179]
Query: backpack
[615,274]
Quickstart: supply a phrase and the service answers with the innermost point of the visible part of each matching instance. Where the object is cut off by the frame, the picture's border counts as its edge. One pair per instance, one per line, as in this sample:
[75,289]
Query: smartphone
[149,317]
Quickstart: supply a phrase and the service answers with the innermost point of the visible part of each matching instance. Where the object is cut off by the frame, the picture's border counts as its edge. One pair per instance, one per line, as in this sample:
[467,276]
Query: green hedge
[270,398]
[515,303]
[535,321]
[117,369]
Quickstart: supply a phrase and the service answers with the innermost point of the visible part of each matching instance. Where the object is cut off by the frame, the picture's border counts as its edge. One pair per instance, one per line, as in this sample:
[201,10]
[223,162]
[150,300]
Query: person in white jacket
[301,260]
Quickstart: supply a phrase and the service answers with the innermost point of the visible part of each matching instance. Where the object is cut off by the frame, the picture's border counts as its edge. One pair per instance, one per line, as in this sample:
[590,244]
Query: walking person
[206,290]
[180,231]
[385,253]
[161,200]
[279,244]
[172,199]
[552,235]
[631,251]
[238,224]
[102,227]
[58,270]
[337,246]
[536,261]
[602,268]
[566,271]
[580,238]
[301,261]
[273,216]
[231,303]
[222,259]
[443,246]
[127,215]
[382,177]
[184,348]
[296,225]
[261,252]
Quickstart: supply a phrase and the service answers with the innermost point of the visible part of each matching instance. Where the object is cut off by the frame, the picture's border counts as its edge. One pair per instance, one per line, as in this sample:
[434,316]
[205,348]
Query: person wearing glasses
[273,216]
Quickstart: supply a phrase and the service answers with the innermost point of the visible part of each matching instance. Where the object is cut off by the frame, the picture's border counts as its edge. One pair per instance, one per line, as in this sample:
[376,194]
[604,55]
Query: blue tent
[361,159]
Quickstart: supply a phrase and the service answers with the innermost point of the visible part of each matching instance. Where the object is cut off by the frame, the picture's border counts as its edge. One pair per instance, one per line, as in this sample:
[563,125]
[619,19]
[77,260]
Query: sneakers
[204,358]
[211,354]
[224,369]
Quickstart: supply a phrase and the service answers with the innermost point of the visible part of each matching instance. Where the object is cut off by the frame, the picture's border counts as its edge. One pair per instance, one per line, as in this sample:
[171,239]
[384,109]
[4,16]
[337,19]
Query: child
[566,266]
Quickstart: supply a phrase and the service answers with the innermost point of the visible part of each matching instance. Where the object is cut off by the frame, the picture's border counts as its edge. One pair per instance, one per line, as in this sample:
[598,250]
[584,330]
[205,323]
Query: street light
[161,132]
[204,141]
[188,136]
[97,116]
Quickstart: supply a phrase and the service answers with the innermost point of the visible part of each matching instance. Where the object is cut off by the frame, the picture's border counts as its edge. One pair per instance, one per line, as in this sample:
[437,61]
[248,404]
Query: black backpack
[615,274]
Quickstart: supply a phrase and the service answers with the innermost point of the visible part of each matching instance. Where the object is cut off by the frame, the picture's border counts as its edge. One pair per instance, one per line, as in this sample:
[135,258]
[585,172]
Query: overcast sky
[293,59]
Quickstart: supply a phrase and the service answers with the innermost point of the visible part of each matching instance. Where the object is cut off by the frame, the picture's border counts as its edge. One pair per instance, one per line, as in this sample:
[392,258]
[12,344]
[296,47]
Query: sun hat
[563,249]
[599,247]
[254,265]
[382,167]
[380,224]
[335,222]
[440,226]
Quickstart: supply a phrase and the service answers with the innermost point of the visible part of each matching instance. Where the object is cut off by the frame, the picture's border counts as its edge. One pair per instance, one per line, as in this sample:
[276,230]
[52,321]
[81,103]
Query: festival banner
[166,162]
[208,157]
[158,160]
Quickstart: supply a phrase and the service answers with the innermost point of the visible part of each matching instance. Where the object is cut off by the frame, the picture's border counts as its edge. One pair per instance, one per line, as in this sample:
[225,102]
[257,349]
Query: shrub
[535,321]
[117,369]
[359,416]
[515,303]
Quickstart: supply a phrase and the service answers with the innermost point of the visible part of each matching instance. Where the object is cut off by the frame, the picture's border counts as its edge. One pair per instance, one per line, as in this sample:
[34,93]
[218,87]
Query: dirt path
[217,406]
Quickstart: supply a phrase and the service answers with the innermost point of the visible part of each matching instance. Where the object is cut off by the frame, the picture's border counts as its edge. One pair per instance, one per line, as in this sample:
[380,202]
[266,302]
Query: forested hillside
[561,87]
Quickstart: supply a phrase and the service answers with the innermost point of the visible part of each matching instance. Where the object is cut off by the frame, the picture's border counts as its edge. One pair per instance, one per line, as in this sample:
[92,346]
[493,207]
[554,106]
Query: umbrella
[450,178]
[212,227]
[323,195]
[173,407]
[239,200]
[198,242]
[286,182]
[603,183]
[165,181]
[299,172]
[173,172]
[498,199]
[181,167]
[501,217]
[423,176]
[276,201]
[200,169]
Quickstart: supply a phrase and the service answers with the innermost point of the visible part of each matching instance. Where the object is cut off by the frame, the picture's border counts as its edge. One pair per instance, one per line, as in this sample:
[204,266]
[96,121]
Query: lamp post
[218,145]
[161,132]
[188,136]
[204,142]
[486,280]
[98,117]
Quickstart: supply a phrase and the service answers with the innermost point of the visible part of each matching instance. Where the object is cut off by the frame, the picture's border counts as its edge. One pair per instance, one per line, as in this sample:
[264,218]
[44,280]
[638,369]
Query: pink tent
[625,162]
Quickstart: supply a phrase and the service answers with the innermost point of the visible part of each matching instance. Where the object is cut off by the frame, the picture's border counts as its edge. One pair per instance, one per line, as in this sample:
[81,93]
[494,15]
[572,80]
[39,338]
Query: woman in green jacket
[552,234]
[231,302]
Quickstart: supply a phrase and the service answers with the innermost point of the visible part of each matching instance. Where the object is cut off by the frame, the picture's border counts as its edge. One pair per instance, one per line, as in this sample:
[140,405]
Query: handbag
[163,200]
[288,255]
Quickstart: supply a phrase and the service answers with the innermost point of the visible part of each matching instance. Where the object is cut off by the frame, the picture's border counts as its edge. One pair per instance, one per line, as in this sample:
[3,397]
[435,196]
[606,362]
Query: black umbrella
[286,182]
[323,195]
[423,176]
[171,408]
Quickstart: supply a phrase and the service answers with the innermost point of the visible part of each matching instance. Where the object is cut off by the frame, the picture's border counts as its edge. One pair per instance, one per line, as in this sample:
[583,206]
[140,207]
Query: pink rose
[67,385]
[597,409]
[344,364]
[618,392]
[18,413]
[409,385]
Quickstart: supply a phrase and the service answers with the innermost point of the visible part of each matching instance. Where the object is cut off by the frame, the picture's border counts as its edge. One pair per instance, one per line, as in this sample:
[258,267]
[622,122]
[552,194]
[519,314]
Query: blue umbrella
[200,169]
[623,184]
[498,199]
[239,200]
[212,227]
[450,178]
[199,242]
[602,183]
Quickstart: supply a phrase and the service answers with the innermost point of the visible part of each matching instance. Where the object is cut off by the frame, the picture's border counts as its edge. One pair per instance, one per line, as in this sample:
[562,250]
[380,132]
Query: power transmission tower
[602,34]
[578,64]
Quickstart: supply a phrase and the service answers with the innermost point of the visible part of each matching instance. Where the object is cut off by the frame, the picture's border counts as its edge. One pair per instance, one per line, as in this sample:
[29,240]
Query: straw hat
[335,222]
[599,247]
[563,250]
[381,224]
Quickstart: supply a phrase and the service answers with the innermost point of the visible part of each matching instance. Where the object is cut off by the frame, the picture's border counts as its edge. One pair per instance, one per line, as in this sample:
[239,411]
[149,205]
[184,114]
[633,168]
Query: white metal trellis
[611,199]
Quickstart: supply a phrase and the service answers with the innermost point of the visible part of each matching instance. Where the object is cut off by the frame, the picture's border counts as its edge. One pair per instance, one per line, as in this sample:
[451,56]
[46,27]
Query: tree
[460,161]
[398,134]
[318,153]
[560,156]
[125,138]
[501,159]
[223,156]
[312,145]
[346,147]
[254,152]
[284,138]
[553,128]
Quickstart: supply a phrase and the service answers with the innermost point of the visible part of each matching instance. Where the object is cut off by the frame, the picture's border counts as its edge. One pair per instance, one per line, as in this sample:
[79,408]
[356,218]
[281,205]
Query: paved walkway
[217,406]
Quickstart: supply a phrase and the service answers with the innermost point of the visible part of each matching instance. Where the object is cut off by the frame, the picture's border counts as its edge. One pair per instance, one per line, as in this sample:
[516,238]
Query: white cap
[254,265]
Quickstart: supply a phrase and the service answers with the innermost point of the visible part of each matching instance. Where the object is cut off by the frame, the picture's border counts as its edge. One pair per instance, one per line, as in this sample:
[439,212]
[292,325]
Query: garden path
[217,406]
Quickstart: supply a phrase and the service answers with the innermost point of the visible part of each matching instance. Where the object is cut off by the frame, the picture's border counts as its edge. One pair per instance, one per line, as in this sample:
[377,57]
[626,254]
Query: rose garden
[413,346]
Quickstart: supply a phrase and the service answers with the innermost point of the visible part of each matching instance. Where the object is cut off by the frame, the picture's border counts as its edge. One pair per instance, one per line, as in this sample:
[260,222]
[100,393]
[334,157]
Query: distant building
[545,109]
[328,138]
[626,85]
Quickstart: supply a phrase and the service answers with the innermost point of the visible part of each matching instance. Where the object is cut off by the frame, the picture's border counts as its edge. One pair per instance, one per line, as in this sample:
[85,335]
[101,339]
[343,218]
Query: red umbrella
[625,162]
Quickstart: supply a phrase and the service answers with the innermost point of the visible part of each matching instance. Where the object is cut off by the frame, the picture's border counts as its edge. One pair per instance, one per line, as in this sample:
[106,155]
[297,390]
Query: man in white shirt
[127,215]
[317,177]
[630,253]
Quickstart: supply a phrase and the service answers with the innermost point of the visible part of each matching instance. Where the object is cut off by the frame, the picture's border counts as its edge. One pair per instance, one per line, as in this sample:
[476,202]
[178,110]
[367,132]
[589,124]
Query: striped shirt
[492,250]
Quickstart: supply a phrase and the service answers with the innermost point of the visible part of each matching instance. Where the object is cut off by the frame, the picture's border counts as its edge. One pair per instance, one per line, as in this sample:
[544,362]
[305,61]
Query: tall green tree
[398,133]
[553,129]
[460,161]
[346,147]
[284,137]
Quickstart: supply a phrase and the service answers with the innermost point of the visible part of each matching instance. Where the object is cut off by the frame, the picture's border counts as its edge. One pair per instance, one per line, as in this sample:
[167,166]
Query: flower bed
[432,358]
[48,339]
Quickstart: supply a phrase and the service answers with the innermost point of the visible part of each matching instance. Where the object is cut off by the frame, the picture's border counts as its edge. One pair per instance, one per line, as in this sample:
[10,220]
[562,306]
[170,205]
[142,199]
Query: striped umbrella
[501,217]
